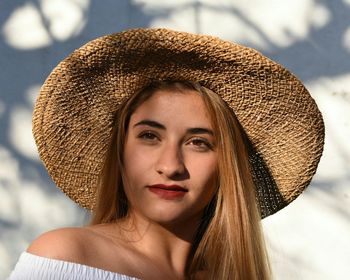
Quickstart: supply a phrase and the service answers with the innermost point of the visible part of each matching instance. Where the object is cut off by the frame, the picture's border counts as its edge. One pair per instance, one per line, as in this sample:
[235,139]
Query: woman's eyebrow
[150,123]
[200,130]
[192,130]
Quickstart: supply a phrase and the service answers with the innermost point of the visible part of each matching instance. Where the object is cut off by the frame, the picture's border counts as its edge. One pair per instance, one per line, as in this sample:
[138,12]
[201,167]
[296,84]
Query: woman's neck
[166,245]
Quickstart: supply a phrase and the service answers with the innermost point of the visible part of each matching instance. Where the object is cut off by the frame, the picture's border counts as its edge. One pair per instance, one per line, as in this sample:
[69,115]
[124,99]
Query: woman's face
[170,158]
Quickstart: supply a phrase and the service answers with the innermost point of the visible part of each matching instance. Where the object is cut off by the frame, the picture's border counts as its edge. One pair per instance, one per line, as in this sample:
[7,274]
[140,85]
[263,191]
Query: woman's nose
[170,162]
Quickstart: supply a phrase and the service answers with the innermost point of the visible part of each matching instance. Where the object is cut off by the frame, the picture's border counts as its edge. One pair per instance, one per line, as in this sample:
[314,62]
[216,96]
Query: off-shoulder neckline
[26,254]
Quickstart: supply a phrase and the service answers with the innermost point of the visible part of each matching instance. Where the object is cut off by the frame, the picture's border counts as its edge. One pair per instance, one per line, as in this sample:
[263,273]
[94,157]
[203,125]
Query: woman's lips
[168,191]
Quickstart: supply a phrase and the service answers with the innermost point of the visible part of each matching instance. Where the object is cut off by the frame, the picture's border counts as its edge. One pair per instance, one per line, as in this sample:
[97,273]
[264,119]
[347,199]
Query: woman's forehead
[185,106]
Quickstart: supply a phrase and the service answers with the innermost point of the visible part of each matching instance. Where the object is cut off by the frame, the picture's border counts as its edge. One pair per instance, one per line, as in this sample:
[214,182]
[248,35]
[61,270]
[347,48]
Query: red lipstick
[168,191]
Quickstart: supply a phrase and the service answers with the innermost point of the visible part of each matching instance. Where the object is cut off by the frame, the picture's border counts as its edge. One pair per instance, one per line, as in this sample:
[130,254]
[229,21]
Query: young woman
[179,144]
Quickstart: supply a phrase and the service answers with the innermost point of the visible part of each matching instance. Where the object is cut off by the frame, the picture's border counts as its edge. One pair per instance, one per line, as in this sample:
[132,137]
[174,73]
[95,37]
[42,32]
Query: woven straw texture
[75,111]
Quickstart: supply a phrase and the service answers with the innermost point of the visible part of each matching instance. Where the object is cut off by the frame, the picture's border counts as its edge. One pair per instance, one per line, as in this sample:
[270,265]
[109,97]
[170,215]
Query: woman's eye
[201,144]
[148,136]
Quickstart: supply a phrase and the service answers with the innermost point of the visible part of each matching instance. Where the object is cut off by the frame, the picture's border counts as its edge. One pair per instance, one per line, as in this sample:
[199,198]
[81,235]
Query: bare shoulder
[67,244]
[92,245]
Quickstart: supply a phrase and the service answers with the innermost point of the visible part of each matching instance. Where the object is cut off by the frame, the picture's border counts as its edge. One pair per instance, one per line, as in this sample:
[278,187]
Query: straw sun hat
[75,110]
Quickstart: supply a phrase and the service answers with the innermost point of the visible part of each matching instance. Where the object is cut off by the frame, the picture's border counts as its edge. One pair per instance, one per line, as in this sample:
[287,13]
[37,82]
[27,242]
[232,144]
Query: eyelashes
[201,143]
[198,143]
[148,135]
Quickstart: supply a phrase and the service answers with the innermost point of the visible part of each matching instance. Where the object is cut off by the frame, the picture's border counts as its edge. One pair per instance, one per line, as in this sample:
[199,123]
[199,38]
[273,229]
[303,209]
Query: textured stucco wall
[307,240]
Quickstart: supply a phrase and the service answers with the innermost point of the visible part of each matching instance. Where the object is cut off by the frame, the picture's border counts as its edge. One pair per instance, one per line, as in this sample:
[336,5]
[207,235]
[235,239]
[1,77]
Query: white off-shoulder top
[32,267]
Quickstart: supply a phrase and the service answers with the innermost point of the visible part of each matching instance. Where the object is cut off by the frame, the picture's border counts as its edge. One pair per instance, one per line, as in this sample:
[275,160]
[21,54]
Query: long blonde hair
[229,242]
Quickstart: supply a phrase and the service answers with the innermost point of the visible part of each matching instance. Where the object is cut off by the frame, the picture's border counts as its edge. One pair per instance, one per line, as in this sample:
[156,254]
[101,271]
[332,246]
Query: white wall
[310,239]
